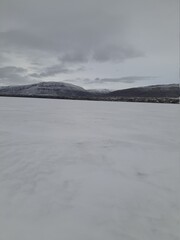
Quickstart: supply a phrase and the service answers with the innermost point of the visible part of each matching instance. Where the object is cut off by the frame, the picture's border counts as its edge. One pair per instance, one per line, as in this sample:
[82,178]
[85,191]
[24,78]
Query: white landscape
[79,170]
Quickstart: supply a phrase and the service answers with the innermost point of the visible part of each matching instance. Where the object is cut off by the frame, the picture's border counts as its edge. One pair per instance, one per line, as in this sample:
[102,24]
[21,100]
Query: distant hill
[45,89]
[99,91]
[157,93]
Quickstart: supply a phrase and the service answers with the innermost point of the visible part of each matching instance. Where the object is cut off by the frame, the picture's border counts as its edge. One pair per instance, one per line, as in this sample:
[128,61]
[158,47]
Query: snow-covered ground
[79,170]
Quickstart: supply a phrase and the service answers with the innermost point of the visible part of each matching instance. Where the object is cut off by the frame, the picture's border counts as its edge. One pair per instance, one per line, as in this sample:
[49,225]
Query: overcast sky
[92,43]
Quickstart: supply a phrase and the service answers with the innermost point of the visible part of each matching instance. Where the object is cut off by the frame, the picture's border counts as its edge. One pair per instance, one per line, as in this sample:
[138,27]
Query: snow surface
[79,170]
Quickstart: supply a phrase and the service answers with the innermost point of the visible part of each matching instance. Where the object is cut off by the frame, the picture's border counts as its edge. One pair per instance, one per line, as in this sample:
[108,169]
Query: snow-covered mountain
[70,91]
[158,91]
[46,89]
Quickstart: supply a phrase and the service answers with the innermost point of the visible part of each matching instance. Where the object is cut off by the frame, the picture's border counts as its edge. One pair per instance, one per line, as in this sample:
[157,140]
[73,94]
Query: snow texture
[79,170]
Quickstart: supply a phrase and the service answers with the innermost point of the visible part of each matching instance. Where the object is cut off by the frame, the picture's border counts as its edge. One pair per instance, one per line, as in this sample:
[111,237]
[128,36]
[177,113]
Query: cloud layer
[68,36]
[13,75]
[127,79]
[75,30]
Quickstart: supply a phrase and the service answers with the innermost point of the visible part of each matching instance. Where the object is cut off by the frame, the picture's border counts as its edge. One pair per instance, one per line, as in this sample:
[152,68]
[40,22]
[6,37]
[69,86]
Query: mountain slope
[158,91]
[46,89]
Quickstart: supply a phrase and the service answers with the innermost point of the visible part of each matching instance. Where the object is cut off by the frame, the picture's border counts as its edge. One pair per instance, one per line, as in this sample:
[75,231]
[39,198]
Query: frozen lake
[79,170]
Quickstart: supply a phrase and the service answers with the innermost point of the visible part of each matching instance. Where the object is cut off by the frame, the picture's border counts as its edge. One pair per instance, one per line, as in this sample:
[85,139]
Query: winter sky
[92,43]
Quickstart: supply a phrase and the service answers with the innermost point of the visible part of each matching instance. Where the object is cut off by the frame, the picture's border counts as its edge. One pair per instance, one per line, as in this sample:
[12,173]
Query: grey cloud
[21,39]
[12,75]
[127,79]
[54,70]
[3,58]
[90,32]
[103,54]
[5,71]
[116,53]
[74,33]
[74,57]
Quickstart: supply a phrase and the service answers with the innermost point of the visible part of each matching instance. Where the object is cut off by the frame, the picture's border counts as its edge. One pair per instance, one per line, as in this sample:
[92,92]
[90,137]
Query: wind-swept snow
[78,170]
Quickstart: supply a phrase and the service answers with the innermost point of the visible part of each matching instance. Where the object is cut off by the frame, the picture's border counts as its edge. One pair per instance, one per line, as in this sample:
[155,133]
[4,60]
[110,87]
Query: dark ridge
[58,90]
[157,91]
